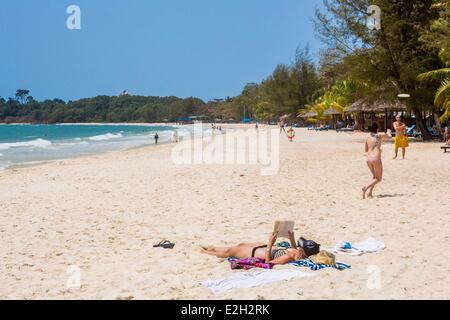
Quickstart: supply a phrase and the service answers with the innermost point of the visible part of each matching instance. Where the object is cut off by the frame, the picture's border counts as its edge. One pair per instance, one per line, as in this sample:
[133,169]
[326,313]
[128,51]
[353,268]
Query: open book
[282,228]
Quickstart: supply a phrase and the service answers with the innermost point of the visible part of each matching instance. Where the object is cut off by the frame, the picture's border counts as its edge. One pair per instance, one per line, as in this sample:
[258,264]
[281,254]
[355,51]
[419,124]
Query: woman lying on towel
[273,256]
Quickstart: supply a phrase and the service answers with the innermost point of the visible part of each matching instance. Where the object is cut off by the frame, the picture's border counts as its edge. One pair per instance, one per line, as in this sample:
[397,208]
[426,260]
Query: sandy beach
[102,214]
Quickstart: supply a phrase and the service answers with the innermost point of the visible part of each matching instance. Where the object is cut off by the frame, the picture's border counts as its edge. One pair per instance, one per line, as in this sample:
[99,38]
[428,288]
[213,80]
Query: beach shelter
[369,109]
[333,113]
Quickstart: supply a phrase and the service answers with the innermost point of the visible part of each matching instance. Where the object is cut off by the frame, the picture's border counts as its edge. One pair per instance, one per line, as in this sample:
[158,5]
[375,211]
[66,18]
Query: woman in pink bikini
[373,152]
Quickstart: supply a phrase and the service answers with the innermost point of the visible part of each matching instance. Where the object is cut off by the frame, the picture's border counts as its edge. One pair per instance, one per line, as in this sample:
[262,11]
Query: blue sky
[203,48]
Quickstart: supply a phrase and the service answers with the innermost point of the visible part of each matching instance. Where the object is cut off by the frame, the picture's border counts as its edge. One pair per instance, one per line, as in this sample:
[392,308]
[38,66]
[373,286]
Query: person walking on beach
[283,123]
[175,138]
[401,138]
[373,152]
[156,138]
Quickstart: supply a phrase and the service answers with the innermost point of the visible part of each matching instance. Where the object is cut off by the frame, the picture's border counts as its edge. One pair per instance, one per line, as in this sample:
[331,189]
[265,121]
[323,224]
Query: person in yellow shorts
[401,138]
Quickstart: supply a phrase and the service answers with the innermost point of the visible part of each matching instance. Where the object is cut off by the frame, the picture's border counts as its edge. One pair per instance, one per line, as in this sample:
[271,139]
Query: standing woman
[401,138]
[282,123]
[373,152]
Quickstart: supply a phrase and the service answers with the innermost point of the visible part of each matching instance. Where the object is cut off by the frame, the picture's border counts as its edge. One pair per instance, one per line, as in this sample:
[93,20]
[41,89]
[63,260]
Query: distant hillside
[123,108]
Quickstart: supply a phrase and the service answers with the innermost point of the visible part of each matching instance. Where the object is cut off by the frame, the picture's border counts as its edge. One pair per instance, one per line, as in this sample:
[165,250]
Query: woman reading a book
[266,252]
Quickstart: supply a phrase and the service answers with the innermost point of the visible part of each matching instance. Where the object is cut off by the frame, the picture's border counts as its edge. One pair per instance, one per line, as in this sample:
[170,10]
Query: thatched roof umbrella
[357,106]
[331,112]
[377,106]
[384,106]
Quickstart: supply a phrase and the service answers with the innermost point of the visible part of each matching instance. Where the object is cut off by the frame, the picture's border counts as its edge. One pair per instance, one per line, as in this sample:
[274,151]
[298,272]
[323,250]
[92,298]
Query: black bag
[310,247]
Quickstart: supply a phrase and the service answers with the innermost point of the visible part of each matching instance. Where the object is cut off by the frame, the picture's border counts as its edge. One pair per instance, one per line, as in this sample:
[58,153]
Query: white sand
[103,213]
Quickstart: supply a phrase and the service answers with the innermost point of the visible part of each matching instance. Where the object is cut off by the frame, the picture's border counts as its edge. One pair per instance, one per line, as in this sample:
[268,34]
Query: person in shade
[254,250]
[401,138]
[446,136]
[156,138]
[373,153]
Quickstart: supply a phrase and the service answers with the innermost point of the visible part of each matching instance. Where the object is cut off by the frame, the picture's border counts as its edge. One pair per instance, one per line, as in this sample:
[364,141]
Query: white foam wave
[104,137]
[37,143]
[78,143]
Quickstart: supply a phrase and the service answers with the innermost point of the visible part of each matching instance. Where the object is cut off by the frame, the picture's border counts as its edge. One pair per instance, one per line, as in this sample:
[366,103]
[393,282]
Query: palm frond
[443,93]
[446,114]
[434,75]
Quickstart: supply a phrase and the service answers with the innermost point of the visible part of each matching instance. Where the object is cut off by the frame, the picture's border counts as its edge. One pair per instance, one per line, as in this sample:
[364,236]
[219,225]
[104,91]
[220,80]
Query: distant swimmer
[156,138]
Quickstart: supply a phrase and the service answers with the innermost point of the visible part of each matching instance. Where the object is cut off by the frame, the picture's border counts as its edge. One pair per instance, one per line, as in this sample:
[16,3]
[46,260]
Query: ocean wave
[104,137]
[78,143]
[37,143]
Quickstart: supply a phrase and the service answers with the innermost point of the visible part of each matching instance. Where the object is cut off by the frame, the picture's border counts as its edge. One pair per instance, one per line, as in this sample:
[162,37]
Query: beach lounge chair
[445,148]
[325,128]
[433,133]
[349,129]
[410,130]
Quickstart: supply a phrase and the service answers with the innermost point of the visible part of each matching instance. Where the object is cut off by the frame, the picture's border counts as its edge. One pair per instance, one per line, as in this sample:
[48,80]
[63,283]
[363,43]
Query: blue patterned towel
[314,266]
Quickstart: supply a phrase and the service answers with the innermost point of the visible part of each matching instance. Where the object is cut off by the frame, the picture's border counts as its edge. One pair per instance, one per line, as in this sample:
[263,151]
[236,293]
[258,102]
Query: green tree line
[24,109]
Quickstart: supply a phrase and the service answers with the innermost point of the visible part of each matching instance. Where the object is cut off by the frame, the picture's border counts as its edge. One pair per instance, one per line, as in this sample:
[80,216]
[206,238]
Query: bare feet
[364,189]
[206,249]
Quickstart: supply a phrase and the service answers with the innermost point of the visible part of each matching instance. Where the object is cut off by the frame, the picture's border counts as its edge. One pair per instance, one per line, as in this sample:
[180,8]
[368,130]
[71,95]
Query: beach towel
[357,249]
[249,263]
[314,266]
[253,279]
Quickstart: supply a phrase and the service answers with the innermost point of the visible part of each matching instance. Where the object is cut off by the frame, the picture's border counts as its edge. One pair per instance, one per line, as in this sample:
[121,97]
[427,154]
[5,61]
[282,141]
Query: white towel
[366,246]
[250,279]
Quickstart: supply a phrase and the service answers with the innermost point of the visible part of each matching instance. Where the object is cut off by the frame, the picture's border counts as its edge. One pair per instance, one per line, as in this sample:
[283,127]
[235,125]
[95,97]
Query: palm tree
[442,98]
[338,97]
[22,94]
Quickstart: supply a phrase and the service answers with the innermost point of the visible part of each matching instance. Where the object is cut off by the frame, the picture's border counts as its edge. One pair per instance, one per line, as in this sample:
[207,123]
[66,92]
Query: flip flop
[161,243]
[166,244]
[169,245]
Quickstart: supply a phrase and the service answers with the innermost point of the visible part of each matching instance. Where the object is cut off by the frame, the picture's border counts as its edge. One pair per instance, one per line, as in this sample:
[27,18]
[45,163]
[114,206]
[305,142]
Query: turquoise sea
[27,144]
